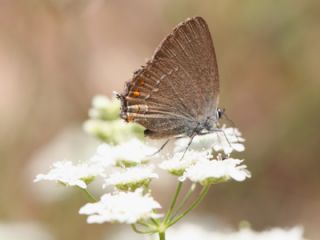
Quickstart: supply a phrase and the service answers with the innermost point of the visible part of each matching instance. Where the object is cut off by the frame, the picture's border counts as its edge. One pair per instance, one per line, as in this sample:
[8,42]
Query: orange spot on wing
[130,118]
[141,82]
[136,93]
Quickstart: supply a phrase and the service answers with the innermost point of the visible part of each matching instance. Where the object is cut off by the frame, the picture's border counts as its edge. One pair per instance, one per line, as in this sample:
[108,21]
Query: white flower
[227,140]
[189,231]
[295,233]
[100,101]
[104,155]
[131,178]
[230,141]
[116,131]
[213,171]
[104,109]
[72,175]
[130,153]
[122,207]
[99,104]
[177,165]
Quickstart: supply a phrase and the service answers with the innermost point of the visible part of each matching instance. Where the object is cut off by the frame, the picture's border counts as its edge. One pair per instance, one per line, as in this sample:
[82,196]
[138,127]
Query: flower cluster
[198,163]
[104,122]
[70,174]
[123,161]
[196,231]
[123,207]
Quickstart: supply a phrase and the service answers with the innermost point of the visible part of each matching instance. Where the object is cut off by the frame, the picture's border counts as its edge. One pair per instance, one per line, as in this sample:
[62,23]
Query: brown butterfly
[176,93]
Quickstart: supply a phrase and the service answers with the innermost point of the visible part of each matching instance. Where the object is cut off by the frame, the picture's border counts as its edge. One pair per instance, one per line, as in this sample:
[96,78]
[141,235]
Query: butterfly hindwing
[178,87]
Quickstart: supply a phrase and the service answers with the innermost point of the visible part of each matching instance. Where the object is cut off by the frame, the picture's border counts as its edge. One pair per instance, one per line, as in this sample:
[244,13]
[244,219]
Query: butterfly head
[211,123]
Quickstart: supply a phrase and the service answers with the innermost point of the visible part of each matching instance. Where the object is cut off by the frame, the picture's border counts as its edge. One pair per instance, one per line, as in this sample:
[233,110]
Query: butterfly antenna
[225,135]
[229,120]
[233,125]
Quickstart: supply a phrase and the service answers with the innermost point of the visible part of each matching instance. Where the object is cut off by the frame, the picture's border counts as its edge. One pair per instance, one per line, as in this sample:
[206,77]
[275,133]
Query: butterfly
[176,93]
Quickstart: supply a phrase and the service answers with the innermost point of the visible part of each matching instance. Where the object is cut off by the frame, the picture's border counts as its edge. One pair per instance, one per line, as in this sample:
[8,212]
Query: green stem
[154,221]
[162,236]
[185,199]
[143,224]
[201,196]
[135,229]
[89,195]
[173,203]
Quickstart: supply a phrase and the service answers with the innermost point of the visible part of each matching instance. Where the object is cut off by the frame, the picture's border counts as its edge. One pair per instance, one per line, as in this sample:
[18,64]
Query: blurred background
[56,55]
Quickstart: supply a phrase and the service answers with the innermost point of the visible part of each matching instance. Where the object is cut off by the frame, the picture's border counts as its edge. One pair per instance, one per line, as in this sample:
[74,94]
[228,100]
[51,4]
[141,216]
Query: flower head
[122,207]
[198,231]
[105,123]
[226,140]
[69,174]
[113,132]
[105,109]
[130,153]
[132,178]
[214,171]
[179,163]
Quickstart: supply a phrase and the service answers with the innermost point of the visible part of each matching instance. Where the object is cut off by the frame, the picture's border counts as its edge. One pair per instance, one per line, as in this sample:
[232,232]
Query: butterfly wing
[178,87]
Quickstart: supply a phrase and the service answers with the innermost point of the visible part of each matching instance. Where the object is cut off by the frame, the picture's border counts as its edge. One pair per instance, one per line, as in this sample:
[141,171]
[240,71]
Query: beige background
[55,55]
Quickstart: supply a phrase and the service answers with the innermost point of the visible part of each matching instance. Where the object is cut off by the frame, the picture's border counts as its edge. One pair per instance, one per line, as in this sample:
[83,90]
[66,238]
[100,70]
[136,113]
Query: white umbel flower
[104,155]
[99,103]
[130,153]
[179,163]
[69,174]
[105,109]
[122,207]
[230,141]
[131,178]
[214,171]
[226,140]
[188,231]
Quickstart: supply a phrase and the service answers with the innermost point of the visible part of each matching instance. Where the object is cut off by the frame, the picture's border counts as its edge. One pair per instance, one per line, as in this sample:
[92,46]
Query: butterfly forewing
[178,87]
[191,46]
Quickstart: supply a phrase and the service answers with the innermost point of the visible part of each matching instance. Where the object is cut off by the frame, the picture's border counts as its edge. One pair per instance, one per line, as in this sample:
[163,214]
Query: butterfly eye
[220,112]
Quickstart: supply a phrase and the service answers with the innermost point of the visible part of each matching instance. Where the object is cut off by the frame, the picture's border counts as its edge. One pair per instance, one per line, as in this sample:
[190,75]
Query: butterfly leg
[189,144]
[162,147]
[165,143]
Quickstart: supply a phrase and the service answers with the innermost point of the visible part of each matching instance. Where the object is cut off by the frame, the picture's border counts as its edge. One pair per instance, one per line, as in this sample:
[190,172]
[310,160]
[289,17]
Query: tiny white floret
[131,178]
[214,171]
[122,207]
[69,174]
[132,152]
[178,163]
[226,140]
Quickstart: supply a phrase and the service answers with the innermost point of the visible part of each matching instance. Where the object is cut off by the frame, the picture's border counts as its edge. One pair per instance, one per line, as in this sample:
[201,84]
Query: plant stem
[135,229]
[154,221]
[88,194]
[143,224]
[173,203]
[202,194]
[162,236]
[185,199]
